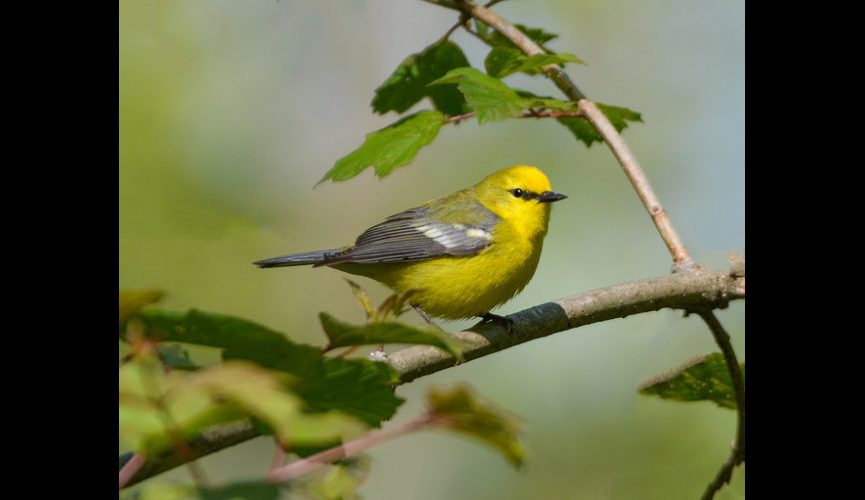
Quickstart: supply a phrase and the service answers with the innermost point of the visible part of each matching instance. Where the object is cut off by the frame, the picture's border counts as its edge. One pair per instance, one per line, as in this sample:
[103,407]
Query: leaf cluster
[442,73]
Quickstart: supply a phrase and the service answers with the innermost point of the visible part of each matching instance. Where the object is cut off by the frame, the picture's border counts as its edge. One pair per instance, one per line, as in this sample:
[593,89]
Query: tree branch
[737,454]
[696,289]
[632,168]
[211,440]
[689,290]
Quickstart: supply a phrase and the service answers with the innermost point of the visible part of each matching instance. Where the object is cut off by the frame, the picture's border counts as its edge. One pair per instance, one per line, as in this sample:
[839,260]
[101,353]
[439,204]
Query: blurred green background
[231,111]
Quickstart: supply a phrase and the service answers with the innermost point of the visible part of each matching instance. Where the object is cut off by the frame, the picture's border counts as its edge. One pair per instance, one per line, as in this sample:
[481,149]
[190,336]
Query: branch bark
[691,290]
[696,289]
[210,441]
[737,453]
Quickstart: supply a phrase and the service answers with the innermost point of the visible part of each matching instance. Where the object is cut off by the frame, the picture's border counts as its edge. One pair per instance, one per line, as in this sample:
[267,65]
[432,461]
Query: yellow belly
[460,287]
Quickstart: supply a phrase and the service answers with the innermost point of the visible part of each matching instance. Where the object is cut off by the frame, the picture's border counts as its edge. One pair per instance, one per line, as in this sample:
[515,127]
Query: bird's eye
[517,192]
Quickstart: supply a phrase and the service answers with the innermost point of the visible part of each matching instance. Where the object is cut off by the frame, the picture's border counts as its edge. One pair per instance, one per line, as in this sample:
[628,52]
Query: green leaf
[244,490]
[164,491]
[156,408]
[131,301]
[496,39]
[492,100]
[462,410]
[263,393]
[503,61]
[362,299]
[481,28]
[358,387]
[408,83]
[501,58]
[342,480]
[343,335]
[487,96]
[176,357]
[704,378]
[585,132]
[144,423]
[390,147]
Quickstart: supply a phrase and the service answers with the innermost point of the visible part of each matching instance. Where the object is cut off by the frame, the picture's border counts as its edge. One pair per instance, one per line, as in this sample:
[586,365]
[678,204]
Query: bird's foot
[503,321]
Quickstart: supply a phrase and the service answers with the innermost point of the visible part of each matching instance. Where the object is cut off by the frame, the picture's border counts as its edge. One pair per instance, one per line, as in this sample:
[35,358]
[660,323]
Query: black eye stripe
[526,195]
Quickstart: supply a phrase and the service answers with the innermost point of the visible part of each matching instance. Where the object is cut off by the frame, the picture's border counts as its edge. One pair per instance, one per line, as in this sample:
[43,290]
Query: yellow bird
[462,255]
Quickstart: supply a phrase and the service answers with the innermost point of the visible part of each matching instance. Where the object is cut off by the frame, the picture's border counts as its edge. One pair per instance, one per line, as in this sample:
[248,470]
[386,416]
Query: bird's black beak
[550,196]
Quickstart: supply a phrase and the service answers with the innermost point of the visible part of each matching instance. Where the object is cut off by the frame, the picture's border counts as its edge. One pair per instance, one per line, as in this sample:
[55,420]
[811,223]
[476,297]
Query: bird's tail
[317,257]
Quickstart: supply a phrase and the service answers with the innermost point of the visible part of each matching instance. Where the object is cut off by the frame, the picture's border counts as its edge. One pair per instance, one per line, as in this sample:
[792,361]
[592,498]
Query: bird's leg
[503,321]
[426,317]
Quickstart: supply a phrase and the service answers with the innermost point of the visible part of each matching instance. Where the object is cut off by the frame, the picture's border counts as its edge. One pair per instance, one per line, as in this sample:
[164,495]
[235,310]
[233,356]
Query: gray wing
[414,235]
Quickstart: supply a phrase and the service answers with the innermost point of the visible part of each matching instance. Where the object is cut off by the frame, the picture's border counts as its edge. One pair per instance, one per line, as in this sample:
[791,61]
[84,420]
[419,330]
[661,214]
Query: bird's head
[520,194]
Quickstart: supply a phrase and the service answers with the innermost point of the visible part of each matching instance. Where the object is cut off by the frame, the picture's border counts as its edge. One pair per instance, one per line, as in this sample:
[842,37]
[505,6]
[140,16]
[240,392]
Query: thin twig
[638,179]
[210,440]
[463,20]
[278,455]
[129,469]
[313,462]
[633,170]
[737,453]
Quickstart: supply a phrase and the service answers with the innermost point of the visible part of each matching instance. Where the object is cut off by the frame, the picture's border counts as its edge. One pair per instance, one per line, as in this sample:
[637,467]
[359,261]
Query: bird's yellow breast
[461,287]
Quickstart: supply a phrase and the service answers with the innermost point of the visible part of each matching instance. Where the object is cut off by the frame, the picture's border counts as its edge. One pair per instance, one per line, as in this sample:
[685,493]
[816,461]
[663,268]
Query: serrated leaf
[189,403]
[504,61]
[342,334]
[704,378]
[462,410]
[263,393]
[151,429]
[496,39]
[390,147]
[131,301]
[358,387]
[489,97]
[408,83]
[585,132]
[492,99]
